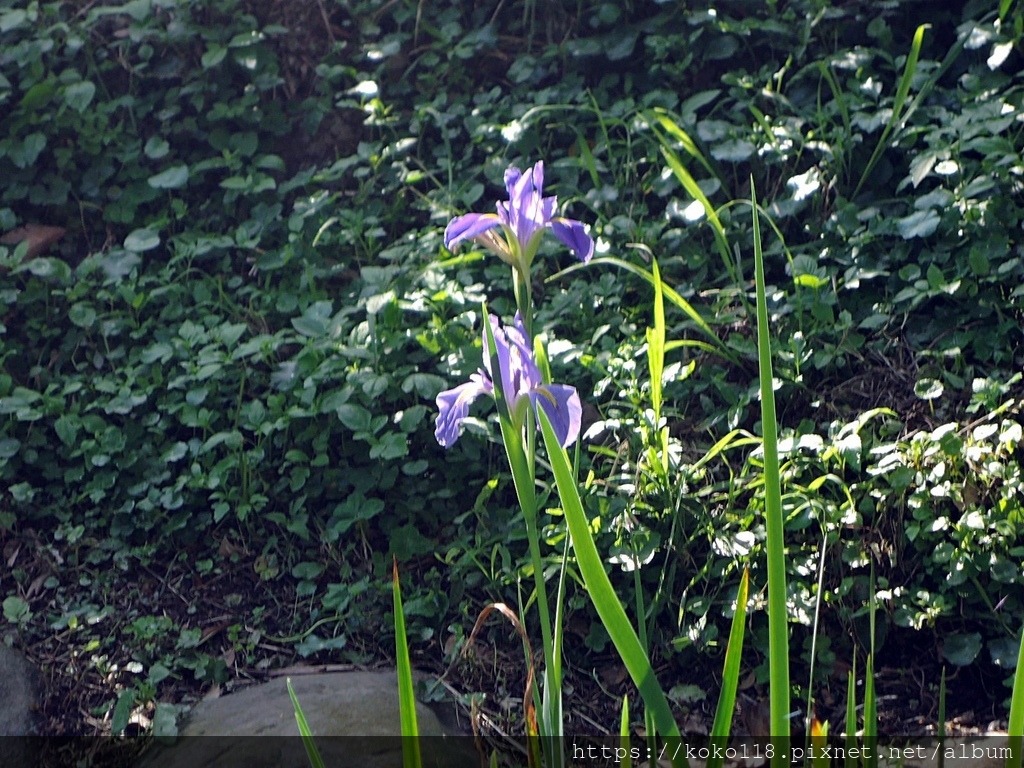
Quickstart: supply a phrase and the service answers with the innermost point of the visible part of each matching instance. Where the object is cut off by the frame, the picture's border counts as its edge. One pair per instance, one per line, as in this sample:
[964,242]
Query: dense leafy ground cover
[216,402]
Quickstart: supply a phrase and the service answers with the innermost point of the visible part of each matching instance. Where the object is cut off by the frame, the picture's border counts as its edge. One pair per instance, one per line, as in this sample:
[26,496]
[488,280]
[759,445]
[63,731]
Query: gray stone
[20,691]
[353,714]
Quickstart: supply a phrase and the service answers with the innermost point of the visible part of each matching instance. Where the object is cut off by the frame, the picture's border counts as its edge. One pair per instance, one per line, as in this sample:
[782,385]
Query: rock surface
[353,714]
[20,691]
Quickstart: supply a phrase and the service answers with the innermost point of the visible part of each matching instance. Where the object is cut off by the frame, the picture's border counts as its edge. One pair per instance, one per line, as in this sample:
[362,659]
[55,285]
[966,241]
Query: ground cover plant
[217,395]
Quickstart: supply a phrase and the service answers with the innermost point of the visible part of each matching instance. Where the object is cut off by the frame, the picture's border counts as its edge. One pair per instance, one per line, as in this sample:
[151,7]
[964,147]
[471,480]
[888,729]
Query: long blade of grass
[736,438]
[870,733]
[942,718]
[656,344]
[307,736]
[695,343]
[762,121]
[1015,727]
[603,596]
[902,91]
[411,757]
[722,724]
[937,74]
[837,94]
[851,715]
[552,699]
[627,761]
[690,185]
[817,622]
[588,160]
[602,123]
[870,700]
[778,618]
[684,139]
[656,367]
[667,291]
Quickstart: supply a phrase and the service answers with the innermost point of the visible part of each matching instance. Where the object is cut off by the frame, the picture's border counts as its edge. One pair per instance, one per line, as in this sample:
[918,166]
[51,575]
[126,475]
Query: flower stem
[524,300]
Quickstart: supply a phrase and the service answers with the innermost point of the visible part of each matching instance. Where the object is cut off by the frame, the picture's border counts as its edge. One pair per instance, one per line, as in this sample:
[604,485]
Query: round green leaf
[67,429]
[173,178]
[156,148]
[307,570]
[82,314]
[158,672]
[46,268]
[414,468]
[38,95]
[25,155]
[733,151]
[961,649]
[78,96]
[9,447]
[214,55]
[354,417]
[16,610]
[142,240]
[918,224]
[119,263]
[309,326]
[426,385]
[13,19]
[928,389]
[393,445]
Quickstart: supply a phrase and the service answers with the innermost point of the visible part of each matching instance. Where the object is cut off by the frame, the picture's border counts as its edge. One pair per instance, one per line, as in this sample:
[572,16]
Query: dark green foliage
[242,333]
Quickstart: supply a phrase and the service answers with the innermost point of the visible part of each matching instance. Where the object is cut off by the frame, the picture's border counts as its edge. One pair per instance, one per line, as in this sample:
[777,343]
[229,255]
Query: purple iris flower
[524,218]
[521,383]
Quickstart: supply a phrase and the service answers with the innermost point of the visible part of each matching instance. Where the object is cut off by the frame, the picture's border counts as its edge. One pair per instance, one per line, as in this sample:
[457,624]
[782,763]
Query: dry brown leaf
[530,715]
[39,236]
[613,675]
[227,548]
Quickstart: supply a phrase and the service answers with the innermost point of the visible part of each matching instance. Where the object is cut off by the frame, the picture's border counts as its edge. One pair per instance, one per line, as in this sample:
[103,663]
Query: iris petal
[507,363]
[530,373]
[463,228]
[528,211]
[574,236]
[453,407]
[512,176]
[562,405]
